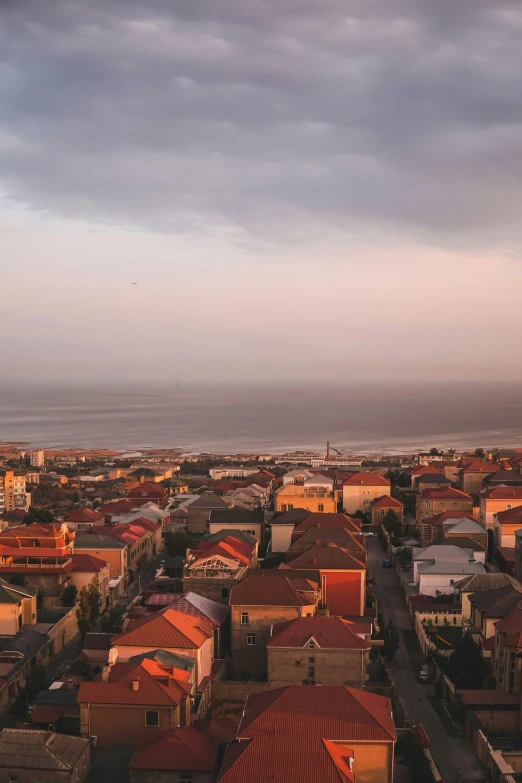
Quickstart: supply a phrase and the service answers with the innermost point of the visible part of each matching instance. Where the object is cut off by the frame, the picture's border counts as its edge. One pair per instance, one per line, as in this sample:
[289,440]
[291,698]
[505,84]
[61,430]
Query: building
[13,518]
[497,499]
[478,583]
[282,526]
[37,458]
[303,734]
[297,476]
[436,569]
[218,563]
[150,492]
[199,511]
[174,632]
[183,754]
[432,528]
[508,478]
[17,607]
[232,471]
[361,489]
[114,551]
[418,471]
[89,570]
[431,502]
[259,602]
[505,525]
[29,756]
[132,701]
[488,608]
[318,650]
[84,519]
[382,505]
[13,492]
[472,473]
[43,554]
[321,536]
[143,538]
[235,518]
[316,494]
[144,475]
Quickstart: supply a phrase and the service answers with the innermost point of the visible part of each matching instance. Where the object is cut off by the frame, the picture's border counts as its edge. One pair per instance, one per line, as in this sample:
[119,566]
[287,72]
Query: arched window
[36,542]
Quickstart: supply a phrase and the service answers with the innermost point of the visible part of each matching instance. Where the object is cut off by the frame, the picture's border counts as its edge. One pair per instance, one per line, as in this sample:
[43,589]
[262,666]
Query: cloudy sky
[302,189]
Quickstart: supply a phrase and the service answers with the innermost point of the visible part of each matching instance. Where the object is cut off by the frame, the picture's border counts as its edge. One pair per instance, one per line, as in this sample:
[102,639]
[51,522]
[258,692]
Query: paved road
[455,758]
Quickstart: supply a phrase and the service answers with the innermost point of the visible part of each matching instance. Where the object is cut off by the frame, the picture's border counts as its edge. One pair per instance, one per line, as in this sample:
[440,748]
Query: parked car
[386,564]
[424,675]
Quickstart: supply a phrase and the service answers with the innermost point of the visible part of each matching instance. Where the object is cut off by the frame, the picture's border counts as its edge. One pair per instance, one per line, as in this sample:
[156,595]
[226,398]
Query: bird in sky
[134,283]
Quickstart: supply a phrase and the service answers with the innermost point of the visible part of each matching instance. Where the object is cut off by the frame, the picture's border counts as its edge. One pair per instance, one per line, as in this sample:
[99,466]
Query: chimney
[135,685]
[69,685]
[105,673]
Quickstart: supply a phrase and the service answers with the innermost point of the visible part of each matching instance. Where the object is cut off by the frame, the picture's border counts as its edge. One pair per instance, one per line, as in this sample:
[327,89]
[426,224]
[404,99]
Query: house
[469,544]
[488,608]
[56,709]
[472,473]
[217,563]
[143,538]
[478,583]
[315,494]
[297,476]
[508,478]
[95,650]
[382,505]
[431,481]
[43,554]
[150,511]
[343,734]
[17,607]
[318,650]
[326,520]
[342,574]
[437,568]
[198,606]
[505,525]
[114,551]
[29,756]
[259,602]
[144,475]
[419,471]
[282,526]
[131,701]
[232,471]
[507,656]
[320,535]
[501,498]
[361,489]
[199,511]
[434,501]
[432,529]
[84,519]
[183,754]
[13,518]
[236,518]
[89,570]
[150,492]
[174,632]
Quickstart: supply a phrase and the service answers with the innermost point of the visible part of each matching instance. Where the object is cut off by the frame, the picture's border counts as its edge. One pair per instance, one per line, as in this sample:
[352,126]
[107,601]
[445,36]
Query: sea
[355,418]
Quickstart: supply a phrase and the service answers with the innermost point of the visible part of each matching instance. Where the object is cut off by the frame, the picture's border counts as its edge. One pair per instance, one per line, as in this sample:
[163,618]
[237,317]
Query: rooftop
[157,685]
[183,748]
[38,750]
[327,633]
[170,629]
[367,480]
[272,588]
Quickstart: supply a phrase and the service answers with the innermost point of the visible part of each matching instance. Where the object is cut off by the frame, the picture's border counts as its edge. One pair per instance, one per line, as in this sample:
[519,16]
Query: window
[151,718]
[311,673]
[441,505]
[512,668]
[283,507]
[320,507]
[382,512]
[311,644]
[185,777]
[455,505]
[290,506]
[311,660]
[13,779]
[426,505]
[36,542]
[251,639]
[224,592]
[508,506]
[244,618]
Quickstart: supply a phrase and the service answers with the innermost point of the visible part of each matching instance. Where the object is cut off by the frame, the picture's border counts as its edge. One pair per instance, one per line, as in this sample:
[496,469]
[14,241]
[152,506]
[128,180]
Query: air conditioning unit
[93,739]
[305,682]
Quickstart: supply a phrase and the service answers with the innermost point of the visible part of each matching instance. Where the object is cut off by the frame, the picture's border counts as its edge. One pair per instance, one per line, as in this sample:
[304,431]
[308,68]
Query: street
[454,757]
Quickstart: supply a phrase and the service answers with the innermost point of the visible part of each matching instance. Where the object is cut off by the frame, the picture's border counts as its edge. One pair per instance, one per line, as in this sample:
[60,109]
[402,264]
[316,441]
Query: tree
[434,452]
[178,541]
[95,602]
[83,613]
[390,636]
[111,621]
[39,516]
[76,497]
[18,579]
[392,523]
[69,595]
[480,453]
[466,667]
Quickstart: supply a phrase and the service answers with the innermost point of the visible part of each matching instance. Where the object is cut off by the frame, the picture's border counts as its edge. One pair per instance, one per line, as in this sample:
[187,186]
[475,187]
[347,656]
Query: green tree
[76,497]
[434,452]
[392,523]
[39,516]
[178,541]
[83,613]
[69,595]
[18,579]
[480,453]
[466,667]
[111,621]
[95,602]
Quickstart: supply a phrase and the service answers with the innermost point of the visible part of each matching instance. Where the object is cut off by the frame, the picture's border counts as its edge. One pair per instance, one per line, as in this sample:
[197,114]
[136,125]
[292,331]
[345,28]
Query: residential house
[132,701]
[144,475]
[318,650]
[432,529]
[508,478]
[84,519]
[29,756]
[216,564]
[43,554]
[114,551]
[434,501]
[497,499]
[469,544]
[174,632]
[488,608]
[13,518]
[507,656]
[258,603]
[96,649]
[89,570]
[282,526]
[505,525]
[17,607]
[382,505]
[415,473]
[361,489]
[437,568]
[478,583]
[199,511]
[150,511]
[143,538]
[236,518]
[431,481]
[344,734]
[231,471]
[320,535]
[316,494]
[326,520]
[251,498]
[472,473]
[297,476]
[183,754]
[199,606]
[56,709]
[150,492]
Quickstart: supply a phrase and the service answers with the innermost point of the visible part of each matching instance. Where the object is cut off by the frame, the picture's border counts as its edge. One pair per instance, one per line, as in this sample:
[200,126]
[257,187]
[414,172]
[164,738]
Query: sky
[303,190]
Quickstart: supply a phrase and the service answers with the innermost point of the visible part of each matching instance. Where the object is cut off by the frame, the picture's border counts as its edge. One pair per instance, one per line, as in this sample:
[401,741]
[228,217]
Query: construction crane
[329,449]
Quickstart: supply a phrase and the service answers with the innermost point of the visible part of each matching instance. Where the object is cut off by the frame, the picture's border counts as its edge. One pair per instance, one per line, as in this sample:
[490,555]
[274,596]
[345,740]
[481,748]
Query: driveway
[454,757]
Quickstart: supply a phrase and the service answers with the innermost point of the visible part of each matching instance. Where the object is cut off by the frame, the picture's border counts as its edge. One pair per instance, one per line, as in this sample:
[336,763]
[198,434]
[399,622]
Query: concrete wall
[331,667]
[359,497]
[281,537]
[120,725]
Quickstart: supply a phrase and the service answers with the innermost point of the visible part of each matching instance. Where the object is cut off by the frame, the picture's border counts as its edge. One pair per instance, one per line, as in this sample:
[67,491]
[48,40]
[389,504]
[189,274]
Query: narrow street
[454,757]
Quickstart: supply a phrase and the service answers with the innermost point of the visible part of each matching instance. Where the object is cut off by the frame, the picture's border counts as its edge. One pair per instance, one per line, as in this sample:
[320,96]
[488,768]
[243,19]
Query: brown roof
[87,564]
[271,589]
[386,501]
[498,602]
[158,685]
[504,493]
[332,535]
[439,519]
[183,748]
[479,466]
[464,542]
[512,516]
[328,520]
[367,480]
[329,556]
[84,515]
[327,632]
[446,493]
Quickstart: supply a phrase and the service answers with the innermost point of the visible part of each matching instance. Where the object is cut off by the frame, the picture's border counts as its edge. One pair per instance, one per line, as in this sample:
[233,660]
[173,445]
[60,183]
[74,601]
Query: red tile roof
[503,493]
[159,685]
[118,507]
[272,589]
[367,480]
[329,556]
[327,520]
[148,490]
[84,515]
[228,547]
[168,630]
[446,493]
[87,564]
[479,466]
[512,516]
[335,535]
[386,501]
[327,632]
[185,749]
[424,470]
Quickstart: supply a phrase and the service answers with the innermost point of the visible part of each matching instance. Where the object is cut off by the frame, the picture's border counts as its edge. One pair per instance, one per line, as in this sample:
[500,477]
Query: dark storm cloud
[271,115]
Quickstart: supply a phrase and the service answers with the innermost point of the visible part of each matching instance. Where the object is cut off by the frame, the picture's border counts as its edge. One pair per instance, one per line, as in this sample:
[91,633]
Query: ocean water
[367,419]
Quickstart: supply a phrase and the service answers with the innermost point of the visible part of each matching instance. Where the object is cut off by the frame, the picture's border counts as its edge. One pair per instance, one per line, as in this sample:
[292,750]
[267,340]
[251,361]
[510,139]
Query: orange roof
[84,515]
[168,630]
[328,557]
[386,501]
[446,493]
[367,480]
[159,685]
[423,470]
[146,489]
[328,520]
[479,466]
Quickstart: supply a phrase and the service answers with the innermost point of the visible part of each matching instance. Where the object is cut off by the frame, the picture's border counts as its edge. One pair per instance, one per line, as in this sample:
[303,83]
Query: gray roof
[96,541]
[13,594]
[61,695]
[452,568]
[209,500]
[292,517]
[480,582]
[183,662]
[239,534]
[238,516]
[30,749]
[218,613]
[463,542]
[445,553]
[463,526]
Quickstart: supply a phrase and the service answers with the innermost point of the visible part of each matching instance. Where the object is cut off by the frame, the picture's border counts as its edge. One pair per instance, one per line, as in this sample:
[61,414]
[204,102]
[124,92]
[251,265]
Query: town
[196,618]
